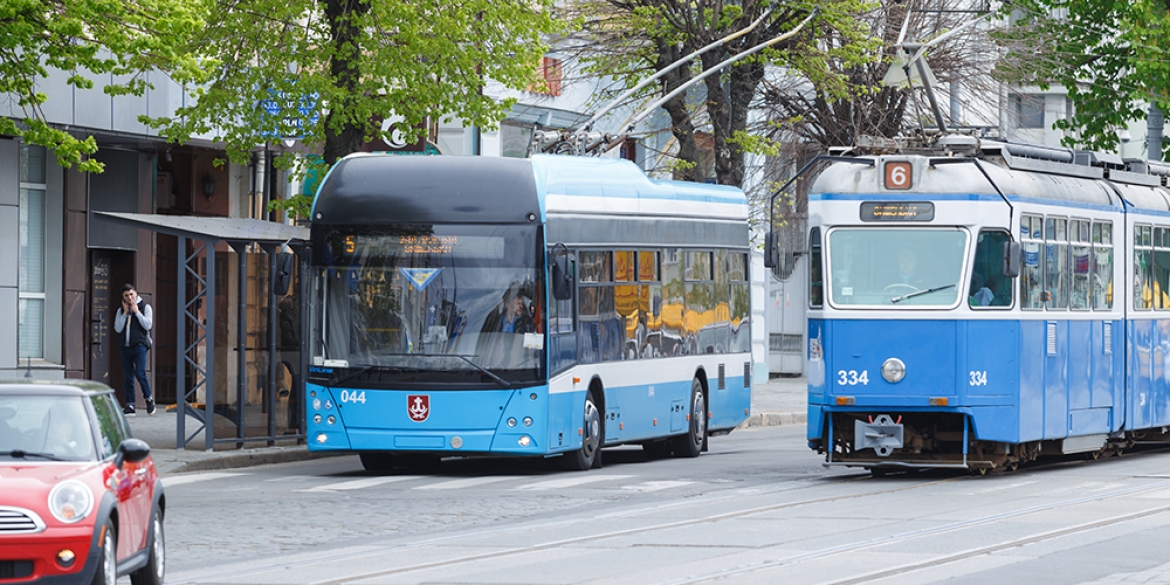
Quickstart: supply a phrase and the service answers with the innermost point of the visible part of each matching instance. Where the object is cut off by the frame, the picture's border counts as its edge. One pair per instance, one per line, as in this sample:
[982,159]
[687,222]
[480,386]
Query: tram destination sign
[897,211]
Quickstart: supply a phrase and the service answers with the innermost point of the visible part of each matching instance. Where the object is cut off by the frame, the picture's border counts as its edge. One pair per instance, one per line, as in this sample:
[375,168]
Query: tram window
[1056,263]
[1081,250]
[816,285]
[1143,293]
[1102,265]
[989,287]
[1161,269]
[1031,241]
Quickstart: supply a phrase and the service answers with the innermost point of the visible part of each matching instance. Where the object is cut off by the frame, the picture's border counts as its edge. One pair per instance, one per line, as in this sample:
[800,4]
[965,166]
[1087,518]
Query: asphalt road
[757,508]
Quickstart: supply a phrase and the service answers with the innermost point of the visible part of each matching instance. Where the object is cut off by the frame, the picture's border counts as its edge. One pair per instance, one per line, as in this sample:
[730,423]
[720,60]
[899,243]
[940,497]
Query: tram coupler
[882,434]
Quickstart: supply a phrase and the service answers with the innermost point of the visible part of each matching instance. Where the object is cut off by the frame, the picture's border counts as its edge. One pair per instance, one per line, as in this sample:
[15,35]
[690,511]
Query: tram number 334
[852,378]
[978,378]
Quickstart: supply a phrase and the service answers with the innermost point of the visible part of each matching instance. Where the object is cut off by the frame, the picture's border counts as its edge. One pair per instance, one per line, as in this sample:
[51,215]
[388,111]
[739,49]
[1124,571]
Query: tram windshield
[414,305]
[895,267]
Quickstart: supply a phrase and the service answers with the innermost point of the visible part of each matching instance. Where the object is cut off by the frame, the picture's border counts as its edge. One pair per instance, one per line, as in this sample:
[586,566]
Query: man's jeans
[134,366]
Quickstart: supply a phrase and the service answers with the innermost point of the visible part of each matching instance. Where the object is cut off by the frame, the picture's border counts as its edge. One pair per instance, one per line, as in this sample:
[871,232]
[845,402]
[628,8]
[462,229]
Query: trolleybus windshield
[896,267]
[456,305]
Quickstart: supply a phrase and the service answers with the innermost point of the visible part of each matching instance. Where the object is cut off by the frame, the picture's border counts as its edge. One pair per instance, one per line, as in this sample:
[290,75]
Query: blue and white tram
[980,306]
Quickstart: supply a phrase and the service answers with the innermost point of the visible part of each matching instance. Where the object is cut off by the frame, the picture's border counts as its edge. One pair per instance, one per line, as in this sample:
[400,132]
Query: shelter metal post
[241,250]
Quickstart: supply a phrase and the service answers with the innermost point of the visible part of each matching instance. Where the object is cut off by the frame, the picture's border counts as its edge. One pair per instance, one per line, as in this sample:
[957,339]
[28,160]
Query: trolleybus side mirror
[771,251]
[562,279]
[1011,259]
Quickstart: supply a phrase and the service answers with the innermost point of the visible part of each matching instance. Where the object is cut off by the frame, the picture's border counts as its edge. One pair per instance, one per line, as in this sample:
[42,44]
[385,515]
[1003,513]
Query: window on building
[31,267]
[1029,110]
[549,72]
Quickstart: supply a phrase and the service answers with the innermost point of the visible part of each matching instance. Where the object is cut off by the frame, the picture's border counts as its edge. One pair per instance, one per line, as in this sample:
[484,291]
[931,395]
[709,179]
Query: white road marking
[458,484]
[360,484]
[567,482]
[653,486]
[173,480]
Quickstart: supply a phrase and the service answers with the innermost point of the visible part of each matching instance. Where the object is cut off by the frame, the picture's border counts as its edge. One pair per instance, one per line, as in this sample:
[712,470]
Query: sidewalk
[781,401]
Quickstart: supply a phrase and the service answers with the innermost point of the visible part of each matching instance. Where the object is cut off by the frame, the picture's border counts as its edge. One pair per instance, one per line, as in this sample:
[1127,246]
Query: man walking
[133,322]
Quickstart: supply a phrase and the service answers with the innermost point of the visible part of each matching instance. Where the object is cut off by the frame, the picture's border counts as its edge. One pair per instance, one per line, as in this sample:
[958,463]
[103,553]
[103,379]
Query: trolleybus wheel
[589,455]
[691,444]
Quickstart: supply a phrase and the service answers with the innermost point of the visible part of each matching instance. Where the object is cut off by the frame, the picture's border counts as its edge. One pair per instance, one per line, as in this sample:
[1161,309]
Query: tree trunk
[682,127]
[343,137]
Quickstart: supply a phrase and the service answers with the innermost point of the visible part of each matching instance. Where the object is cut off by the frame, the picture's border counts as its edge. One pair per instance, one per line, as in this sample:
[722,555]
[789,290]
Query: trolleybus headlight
[525,441]
[317,404]
[893,370]
[331,420]
[317,418]
[322,438]
[511,422]
[527,421]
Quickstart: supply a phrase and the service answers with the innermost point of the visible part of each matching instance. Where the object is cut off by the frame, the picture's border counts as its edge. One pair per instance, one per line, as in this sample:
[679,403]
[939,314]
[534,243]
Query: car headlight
[71,501]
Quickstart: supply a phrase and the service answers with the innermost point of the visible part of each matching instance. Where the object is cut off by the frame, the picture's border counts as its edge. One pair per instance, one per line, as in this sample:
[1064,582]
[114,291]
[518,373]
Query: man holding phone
[132,323]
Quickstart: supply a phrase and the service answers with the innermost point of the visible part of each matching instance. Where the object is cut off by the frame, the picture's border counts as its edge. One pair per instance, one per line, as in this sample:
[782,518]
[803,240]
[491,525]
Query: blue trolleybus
[541,307]
[977,304]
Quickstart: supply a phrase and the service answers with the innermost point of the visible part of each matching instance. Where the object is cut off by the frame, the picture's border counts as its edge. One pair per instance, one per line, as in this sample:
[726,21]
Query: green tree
[632,39]
[88,39]
[1110,55]
[361,61]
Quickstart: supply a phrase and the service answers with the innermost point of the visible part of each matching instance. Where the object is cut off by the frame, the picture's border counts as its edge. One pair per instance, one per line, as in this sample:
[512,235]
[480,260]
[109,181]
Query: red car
[80,500]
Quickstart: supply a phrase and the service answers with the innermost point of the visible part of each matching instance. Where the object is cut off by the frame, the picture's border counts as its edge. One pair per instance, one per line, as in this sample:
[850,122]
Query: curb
[774,419]
[250,458]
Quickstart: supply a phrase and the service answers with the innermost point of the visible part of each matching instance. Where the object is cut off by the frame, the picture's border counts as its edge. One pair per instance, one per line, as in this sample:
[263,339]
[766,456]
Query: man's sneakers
[129,410]
[149,406]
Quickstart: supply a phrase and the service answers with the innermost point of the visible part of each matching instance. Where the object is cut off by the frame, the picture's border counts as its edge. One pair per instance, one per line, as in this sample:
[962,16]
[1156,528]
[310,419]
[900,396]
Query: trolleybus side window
[1031,241]
[673,292]
[699,316]
[741,336]
[599,335]
[989,287]
[1102,265]
[1056,262]
[1143,292]
[649,305]
[1161,268]
[561,333]
[816,285]
[1079,248]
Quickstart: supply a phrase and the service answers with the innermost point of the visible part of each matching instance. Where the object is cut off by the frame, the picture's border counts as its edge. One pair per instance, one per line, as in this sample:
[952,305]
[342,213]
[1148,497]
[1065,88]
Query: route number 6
[898,175]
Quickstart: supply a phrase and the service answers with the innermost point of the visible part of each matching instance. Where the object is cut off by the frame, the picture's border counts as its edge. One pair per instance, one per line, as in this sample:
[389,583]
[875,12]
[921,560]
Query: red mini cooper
[80,500]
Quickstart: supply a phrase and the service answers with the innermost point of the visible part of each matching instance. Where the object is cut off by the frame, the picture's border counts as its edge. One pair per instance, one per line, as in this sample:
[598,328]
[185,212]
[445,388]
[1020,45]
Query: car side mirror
[132,450]
[1011,259]
[562,279]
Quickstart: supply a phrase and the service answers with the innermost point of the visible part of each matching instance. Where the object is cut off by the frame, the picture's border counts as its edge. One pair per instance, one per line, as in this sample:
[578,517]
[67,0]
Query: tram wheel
[691,443]
[589,455]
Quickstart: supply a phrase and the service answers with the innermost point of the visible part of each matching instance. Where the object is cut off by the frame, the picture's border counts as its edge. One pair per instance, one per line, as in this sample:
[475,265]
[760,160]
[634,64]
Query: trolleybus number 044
[356,396]
[853,378]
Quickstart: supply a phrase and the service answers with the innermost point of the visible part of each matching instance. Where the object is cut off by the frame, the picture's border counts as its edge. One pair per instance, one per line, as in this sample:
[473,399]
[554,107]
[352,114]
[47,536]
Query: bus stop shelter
[197,239]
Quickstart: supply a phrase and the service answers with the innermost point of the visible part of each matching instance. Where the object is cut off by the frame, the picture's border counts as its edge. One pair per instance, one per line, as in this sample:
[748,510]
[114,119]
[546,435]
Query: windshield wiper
[21,454]
[919,293]
[497,379]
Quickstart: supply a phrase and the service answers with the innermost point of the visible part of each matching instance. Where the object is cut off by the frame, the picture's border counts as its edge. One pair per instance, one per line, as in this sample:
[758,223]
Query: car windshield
[443,304]
[896,267]
[45,428]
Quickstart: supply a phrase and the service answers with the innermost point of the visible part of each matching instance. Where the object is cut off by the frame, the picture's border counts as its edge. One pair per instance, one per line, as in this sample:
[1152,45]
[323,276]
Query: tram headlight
[893,370]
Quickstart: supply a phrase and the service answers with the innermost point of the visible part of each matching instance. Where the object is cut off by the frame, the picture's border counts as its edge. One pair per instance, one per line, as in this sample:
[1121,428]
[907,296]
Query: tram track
[285,563]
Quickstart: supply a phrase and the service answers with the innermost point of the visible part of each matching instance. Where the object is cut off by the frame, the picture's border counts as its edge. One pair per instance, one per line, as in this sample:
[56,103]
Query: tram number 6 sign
[898,175]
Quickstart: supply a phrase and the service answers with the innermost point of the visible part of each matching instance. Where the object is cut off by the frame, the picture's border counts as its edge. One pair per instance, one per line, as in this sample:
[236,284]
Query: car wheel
[152,573]
[107,569]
